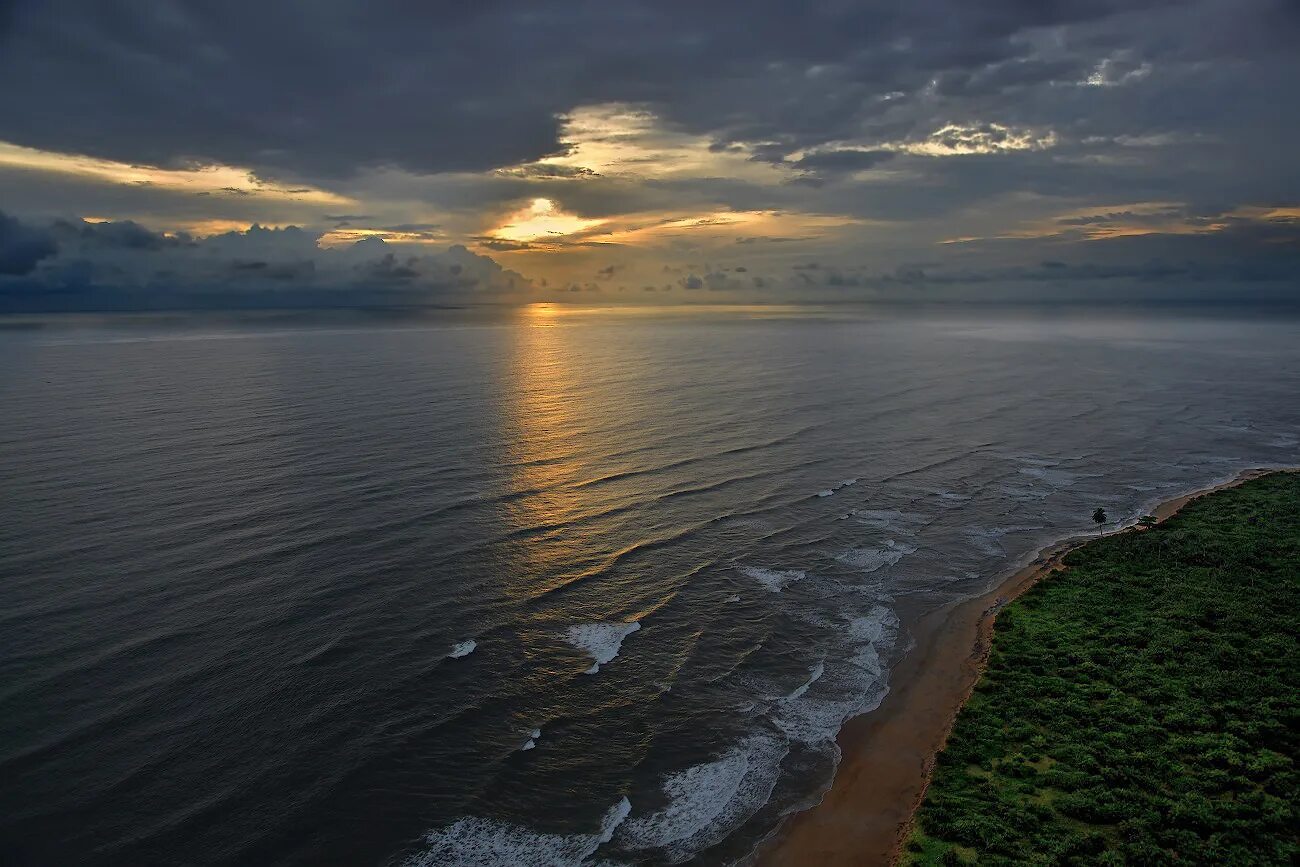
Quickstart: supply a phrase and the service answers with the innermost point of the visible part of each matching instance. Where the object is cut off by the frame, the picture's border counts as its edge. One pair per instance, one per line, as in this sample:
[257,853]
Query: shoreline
[887,754]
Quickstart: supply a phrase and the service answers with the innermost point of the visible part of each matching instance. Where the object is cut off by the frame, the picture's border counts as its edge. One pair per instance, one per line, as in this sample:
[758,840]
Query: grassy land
[1141,707]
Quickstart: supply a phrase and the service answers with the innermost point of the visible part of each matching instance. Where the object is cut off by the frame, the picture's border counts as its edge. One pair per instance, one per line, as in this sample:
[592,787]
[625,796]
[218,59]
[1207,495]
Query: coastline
[887,754]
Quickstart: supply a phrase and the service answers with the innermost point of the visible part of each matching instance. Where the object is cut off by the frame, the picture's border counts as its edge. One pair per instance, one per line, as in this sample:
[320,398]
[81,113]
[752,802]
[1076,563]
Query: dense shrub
[1141,706]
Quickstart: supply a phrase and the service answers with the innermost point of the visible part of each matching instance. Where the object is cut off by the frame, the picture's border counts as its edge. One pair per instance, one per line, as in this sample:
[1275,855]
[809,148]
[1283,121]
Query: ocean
[547,586]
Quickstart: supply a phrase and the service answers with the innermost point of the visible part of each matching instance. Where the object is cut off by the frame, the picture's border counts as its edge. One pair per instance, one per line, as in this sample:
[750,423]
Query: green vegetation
[1140,707]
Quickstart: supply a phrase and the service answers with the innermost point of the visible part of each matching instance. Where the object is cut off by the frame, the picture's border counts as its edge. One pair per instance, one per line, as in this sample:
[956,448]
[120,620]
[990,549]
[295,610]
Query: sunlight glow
[627,141]
[542,220]
[344,237]
[202,179]
[989,138]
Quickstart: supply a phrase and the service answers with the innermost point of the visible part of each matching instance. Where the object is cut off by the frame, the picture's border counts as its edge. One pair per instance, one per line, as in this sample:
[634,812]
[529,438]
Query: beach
[888,754]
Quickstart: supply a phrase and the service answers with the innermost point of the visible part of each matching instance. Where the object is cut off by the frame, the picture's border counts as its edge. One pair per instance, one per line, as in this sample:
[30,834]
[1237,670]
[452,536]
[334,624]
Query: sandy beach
[888,753]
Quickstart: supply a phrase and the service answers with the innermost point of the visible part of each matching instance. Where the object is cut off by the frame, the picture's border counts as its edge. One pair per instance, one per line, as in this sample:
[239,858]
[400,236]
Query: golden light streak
[621,140]
[1133,219]
[344,237]
[208,179]
[541,235]
[207,228]
[542,219]
[957,140]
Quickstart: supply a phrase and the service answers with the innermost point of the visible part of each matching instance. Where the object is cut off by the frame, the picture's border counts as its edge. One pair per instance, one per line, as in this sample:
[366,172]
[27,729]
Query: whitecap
[813,674]
[988,540]
[463,648]
[709,801]
[773,579]
[601,640]
[1055,478]
[849,685]
[891,520]
[478,842]
[532,740]
[826,493]
[871,559]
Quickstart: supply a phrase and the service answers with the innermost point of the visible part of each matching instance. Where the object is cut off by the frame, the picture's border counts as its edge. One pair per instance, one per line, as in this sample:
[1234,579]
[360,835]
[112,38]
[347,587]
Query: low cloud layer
[69,265]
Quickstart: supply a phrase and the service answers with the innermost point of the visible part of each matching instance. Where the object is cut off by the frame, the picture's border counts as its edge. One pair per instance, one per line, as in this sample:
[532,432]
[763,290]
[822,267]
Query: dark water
[307,595]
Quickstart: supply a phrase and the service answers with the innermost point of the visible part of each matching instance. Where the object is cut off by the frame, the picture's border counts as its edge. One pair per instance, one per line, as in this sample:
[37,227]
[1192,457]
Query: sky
[330,153]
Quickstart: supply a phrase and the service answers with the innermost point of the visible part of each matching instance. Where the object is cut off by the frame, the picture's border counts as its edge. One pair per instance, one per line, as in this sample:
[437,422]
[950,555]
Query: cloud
[833,132]
[843,160]
[1245,260]
[80,265]
[22,247]
[437,88]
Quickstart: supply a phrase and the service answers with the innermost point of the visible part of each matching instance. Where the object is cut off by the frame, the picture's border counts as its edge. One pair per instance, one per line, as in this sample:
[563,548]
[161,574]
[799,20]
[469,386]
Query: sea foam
[871,559]
[851,683]
[708,801]
[463,648]
[601,641]
[814,673]
[773,579]
[478,842]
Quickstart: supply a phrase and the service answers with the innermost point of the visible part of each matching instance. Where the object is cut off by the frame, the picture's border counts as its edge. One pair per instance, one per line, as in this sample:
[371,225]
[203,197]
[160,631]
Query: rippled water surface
[542,587]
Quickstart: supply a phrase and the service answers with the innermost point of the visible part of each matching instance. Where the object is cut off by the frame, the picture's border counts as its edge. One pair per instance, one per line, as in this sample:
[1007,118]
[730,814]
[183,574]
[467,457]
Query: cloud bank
[78,265]
[966,142]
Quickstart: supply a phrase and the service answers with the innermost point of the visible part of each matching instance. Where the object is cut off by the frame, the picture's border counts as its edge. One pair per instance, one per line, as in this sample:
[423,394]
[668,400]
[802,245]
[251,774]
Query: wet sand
[888,753]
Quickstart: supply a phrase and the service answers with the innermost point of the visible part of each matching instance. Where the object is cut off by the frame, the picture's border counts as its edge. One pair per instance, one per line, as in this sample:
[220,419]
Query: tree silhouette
[1099,516]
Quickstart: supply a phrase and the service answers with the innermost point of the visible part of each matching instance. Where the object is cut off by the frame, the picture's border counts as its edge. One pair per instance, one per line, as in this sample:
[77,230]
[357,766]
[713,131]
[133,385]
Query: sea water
[547,586]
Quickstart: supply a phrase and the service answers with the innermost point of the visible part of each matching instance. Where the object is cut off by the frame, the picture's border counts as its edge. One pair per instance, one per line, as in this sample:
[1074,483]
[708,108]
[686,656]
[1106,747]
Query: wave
[813,674]
[479,842]
[601,640]
[988,540]
[693,459]
[1055,478]
[709,801]
[871,559]
[773,579]
[844,687]
[830,492]
[893,520]
[462,648]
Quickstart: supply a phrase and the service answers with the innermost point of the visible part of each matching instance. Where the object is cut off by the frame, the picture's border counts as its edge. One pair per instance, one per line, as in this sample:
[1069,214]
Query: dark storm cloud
[843,160]
[74,265]
[22,247]
[122,235]
[915,123]
[1245,260]
[438,87]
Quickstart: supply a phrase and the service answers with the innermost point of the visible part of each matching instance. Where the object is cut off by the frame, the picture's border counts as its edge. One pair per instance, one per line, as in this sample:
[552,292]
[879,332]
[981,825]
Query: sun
[542,220]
